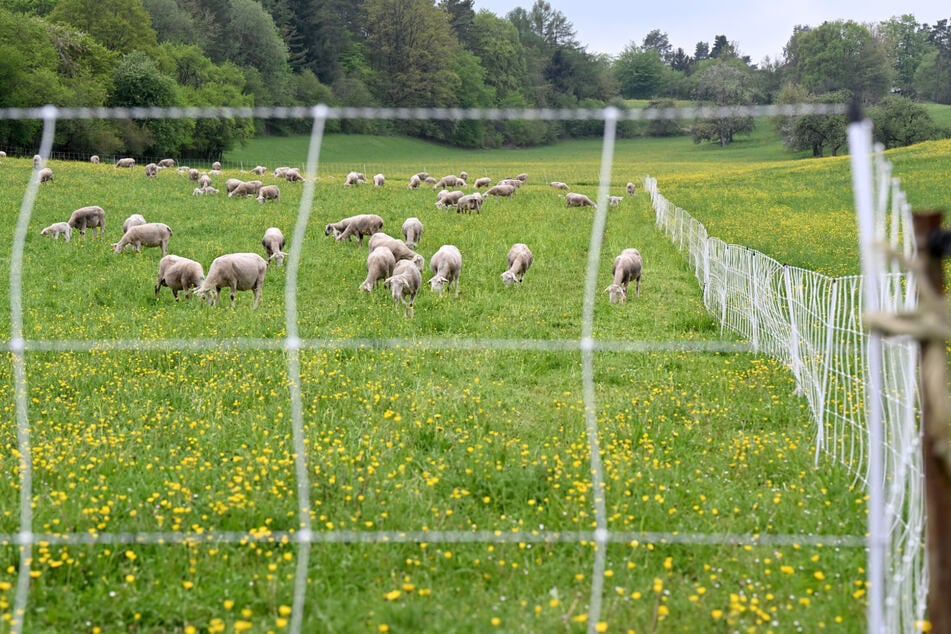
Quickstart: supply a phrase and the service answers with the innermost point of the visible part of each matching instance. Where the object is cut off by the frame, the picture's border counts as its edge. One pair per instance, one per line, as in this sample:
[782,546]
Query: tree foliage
[898,121]
[120,25]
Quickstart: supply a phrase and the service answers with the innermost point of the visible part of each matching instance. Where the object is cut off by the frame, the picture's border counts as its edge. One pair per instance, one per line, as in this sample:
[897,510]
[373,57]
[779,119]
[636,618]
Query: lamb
[412,231]
[246,188]
[469,203]
[201,191]
[259,170]
[179,274]
[447,198]
[86,217]
[58,229]
[630,188]
[237,271]
[379,180]
[45,175]
[413,182]
[558,185]
[446,265]
[380,265]
[501,190]
[125,162]
[398,247]
[403,284]
[627,266]
[614,201]
[151,170]
[273,243]
[268,192]
[450,180]
[355,178]
[293,175]
[519,259]
[359,225]
[132,221]
[151,234]
[167,162]
[94,159]
[484,181]
[578,200]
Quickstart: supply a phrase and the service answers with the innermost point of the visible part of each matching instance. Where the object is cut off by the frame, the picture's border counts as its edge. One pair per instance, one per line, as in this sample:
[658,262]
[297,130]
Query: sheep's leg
[257,295]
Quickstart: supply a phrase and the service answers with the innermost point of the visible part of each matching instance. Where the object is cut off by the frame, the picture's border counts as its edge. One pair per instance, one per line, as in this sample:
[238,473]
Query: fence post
[935,423]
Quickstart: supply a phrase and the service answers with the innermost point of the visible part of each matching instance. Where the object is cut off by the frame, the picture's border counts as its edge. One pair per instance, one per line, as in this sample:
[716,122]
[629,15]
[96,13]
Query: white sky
[759,28]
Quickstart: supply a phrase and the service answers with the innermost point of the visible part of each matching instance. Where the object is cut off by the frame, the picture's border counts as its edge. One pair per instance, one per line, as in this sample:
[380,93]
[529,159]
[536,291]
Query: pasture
[416,425]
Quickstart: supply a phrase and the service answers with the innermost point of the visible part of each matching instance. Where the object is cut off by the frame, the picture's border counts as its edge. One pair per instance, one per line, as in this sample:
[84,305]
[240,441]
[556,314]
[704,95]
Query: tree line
[408,53]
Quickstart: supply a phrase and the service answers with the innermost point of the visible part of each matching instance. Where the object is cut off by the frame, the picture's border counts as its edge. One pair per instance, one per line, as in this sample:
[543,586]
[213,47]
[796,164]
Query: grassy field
[419,437]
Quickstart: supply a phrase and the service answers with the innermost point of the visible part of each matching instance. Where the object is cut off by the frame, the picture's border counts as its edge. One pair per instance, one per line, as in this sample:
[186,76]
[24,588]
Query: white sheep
[94,159]
[273,243]
[398,247]
[231,183]
[464,175]
[501,190]
[447,198]
[279,172]
[269,192]
[193,174]
[450,180]
[132,221]
[359,225]
[379,180]
[259,170]
[92,216]
[558,185]
[470,202]
[167,163]
[380,265]
[446,266]
[404,284]
[522,177]
[627,266]
[412,231]
[355,178]
[125,162]
[414,182]
[237,271]
[246,188]
[293,175]
[201,191]
[204,180]
[484,181]
[37,161]
[58,229]
[519,259]
[45,175]
[514,182]
[429,180]
[151,169]
[614,201]
[179,274]
[216,165]
[151,234]
[573,199]
[630,188]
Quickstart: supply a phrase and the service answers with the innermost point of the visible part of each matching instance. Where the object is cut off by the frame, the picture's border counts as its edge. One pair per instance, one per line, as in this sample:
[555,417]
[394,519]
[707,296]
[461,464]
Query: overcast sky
[759,28]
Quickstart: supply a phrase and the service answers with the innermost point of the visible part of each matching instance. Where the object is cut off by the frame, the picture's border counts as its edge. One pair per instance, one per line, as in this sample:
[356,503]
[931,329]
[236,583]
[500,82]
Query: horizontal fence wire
[736,282]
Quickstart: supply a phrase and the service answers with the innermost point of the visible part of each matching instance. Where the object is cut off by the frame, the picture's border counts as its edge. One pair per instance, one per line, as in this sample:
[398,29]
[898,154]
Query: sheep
[404,283]
[45,175]
[429,180]
[355,178]
[414,181]
[125,162]
[259,170]
[380,265]
[519,259]
[464,175]
[379,180]
[216,165]
[484,181]
[501,190]
[422,176]
[450,180]
[204,180]
[446,265]
[522,177]
[293,175]
[3,154]
[151,170]
[279,172]
[398,247]
[193,174]
[86,217]
[231,183]
[469,203]
[151,234]
[58,229]
[237,271]
[627,266]
[630,188]
[37,161]
[573,199]
[246,188]
[412,231]
[132,221]
[359,225]
[94,159]
[167,162]
[273,243]
[269,192]
[558,185]
[447,198]
[179,274]
[614,201]
[201,191]
[514,182]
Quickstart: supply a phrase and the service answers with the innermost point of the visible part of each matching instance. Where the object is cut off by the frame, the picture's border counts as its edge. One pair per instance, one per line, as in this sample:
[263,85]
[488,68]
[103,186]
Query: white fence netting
[813,324]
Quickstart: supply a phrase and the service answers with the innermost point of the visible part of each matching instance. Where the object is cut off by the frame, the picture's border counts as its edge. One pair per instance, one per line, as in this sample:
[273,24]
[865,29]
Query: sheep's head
[419,261]
[509,278]
[617,293]
[277,258]
[438,283]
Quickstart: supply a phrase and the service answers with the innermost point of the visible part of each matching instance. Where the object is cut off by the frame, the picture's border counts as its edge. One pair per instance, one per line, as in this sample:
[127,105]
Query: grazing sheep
[614,201]
[231,183]
[279,172]
[448,199]
[519,259]
[522,177]
[464,175]
[37,161]
[514,182]
[125,162]
[58,229]
[193,174]
[484,181]
[85,217]
[151,170]
[501,190]
[201,191]
[237,271]
[412,231]
[398,247]
[379,180]
[470,202]
[413,182]
[45,175]
[151,234]
[429,180]
[269,192]
[450,180]
[204,180]
[630,188]
[293,175]
[446,265]
[94,159]
[259,170]
[246,188]
[132,221]
[380,265]
[359,225]
[167,162]
[404,284]
[355,178]
[179,274]
[578,200]
[273,243]
[627,266]
[558,185]
[3,154]
[216,165]
[422,176]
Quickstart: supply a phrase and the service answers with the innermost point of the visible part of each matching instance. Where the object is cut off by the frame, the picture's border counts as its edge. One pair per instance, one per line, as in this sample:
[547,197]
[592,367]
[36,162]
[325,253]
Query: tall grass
[415,437]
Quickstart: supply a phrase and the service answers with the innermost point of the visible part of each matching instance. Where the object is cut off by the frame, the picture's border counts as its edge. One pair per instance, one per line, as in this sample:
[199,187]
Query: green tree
[658,41]
[724,83]
[898,121]
[171,22]
[906,43]
[639,73]
[254,42]
[137,81]
[816,133]
[939,36]
[120,25]
[461,17]
[497,44]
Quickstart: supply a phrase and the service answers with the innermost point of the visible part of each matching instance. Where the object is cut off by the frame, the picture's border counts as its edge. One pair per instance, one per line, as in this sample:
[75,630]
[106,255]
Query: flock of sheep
[393,261]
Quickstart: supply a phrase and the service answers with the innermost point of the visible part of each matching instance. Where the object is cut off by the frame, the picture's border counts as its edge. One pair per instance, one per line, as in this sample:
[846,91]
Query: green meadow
[405,428]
